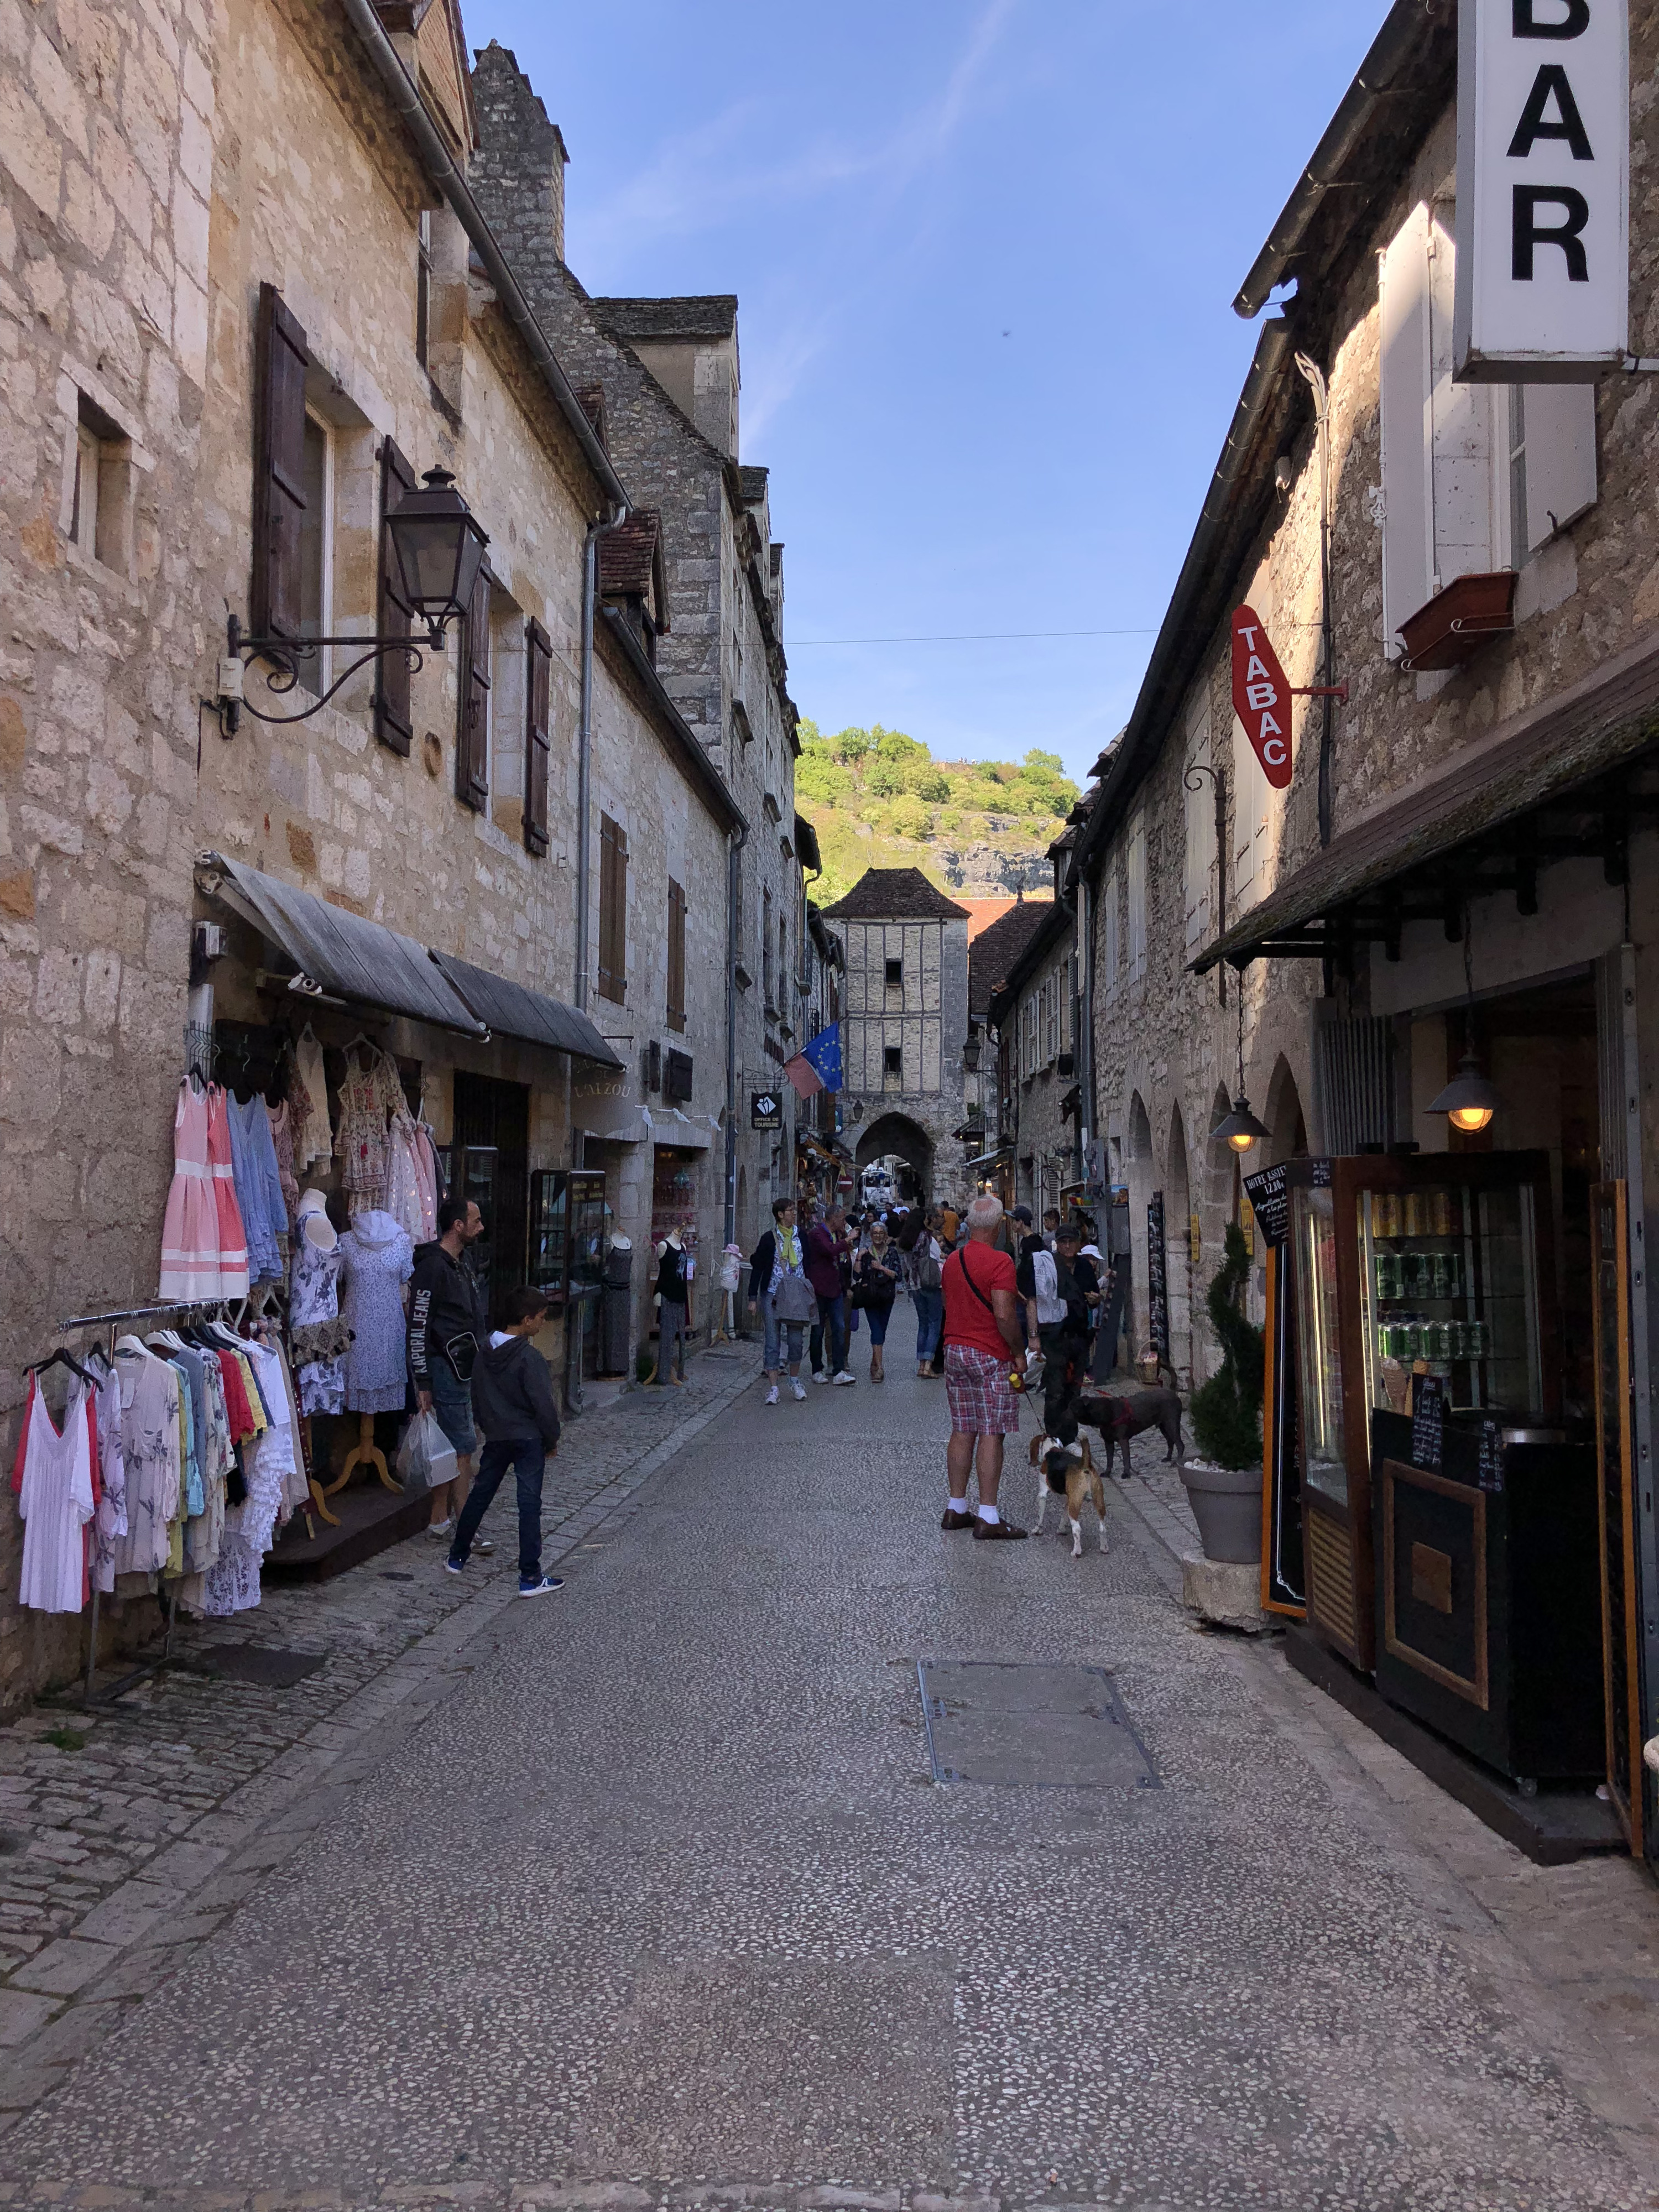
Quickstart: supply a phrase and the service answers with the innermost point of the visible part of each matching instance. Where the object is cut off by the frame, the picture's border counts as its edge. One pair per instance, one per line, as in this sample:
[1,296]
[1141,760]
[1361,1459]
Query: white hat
[314,1223]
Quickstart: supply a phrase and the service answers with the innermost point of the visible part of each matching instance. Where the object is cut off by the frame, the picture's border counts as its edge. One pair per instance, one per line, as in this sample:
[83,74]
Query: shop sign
[1542,292]
[1157,1291]
[765,1110]
[1261,697]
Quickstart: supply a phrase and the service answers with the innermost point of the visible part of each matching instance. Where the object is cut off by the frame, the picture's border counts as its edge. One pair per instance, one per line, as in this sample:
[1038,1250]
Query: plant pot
[1226,1503]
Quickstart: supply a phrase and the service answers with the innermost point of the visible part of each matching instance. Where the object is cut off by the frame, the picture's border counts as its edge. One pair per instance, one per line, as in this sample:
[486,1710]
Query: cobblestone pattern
[116,1856]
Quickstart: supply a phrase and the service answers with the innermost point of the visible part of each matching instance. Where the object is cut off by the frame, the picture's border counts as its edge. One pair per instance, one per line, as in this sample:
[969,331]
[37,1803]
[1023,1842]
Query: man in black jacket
[446,1334]
[512,1400]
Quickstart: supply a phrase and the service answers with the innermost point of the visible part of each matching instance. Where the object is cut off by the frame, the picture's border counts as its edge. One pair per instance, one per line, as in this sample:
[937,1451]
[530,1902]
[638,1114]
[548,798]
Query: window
[1109,928]
[613,911]
[1471,481]
[676,956]
[1137,875]
[393,724]
[1051,1029]
[1200,796]
[423,285]
[100,489]
[896,975]
[766,951]
[275,606]
[892,1067]
[538,736]
[316,536]
[472,706]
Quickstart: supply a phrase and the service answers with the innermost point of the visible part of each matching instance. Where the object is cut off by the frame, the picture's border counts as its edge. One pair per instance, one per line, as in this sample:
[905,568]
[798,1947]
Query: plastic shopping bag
[426,1457]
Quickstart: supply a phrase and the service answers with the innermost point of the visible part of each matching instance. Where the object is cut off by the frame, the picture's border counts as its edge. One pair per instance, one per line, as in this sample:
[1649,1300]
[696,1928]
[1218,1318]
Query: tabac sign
[1261,697]
[1543,190]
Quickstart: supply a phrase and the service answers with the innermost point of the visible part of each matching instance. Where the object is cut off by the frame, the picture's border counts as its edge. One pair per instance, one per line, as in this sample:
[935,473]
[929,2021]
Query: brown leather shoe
[953,1521]
[997,1532]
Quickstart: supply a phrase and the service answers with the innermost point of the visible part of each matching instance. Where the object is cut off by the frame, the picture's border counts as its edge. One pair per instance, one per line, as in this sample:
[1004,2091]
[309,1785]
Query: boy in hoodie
[513,1404]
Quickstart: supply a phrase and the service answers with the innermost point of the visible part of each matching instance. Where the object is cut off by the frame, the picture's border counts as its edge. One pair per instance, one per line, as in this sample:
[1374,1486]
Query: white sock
[990,1513]
[956,1504]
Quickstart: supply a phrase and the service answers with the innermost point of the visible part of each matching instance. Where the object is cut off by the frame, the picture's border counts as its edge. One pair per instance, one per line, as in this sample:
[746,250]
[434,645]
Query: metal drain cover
[259,1663]
[1033,1727]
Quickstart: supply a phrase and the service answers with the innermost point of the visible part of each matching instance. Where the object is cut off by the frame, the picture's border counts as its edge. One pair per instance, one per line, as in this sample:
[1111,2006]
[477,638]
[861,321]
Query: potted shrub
[1223,1486]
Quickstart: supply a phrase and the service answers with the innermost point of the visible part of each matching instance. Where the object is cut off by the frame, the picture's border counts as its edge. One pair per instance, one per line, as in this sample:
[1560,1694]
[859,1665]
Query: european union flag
[817,1067]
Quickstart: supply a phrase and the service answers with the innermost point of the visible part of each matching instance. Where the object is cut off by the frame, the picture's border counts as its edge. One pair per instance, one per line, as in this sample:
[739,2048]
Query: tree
[910,818]
[1226,1411]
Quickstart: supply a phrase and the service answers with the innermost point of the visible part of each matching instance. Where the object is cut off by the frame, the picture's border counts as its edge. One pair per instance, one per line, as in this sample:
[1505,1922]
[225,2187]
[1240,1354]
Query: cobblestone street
[645,1894]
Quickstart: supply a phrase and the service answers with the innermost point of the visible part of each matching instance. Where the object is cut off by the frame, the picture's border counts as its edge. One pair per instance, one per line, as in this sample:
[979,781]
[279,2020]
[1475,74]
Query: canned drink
[1437,1340]
[1458,1331]
[1440,1212]
[1415,1214]
[1479,1340]
[1412,1269]
[1385,1213]
[1414,1334]
[1440,1271]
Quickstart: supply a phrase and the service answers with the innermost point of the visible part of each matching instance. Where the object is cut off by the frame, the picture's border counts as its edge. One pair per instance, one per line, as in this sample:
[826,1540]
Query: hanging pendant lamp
[1240,1129]
[1469,1100]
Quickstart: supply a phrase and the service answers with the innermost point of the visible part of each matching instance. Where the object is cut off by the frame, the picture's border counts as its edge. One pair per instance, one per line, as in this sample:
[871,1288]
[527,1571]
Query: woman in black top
[876,1277]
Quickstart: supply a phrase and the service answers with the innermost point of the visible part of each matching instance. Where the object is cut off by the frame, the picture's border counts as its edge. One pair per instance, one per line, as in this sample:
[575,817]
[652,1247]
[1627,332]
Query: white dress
[151,1454]
[231,1583]
[53,1479]
[379,1259]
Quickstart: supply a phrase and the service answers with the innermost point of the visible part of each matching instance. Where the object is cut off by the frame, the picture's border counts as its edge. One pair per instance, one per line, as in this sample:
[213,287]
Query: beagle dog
[1066,1467]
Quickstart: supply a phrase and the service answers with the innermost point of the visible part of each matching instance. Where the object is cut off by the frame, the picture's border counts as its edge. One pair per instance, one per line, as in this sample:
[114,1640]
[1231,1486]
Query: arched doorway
[1288,1140]
[1178,1247]
[897,1138]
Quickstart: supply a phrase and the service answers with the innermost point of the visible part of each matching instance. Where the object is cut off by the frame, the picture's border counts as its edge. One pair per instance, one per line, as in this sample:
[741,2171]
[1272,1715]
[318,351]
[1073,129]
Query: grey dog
[1117,1420]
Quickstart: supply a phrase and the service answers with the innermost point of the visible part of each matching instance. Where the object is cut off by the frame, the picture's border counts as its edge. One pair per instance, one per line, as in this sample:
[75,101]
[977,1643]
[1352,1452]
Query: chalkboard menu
[1157,1282]
[1269,1195]
[1490,1469]
[1428,1423]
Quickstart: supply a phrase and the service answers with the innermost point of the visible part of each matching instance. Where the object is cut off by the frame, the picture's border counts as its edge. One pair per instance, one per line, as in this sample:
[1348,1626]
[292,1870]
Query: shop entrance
[491,1161]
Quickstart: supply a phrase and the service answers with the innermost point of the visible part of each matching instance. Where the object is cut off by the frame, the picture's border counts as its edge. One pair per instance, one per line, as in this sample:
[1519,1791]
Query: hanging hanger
[60,1359]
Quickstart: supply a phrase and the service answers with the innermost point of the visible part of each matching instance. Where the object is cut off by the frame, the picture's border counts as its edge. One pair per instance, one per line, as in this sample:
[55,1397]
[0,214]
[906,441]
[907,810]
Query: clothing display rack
[140,1673]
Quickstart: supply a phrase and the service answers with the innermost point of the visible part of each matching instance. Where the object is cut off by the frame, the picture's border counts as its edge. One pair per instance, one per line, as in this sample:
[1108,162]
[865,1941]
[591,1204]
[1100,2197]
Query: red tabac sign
[1261,697]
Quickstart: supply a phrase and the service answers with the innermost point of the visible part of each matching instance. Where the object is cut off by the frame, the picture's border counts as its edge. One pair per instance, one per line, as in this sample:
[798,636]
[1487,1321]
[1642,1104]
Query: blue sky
[984,255]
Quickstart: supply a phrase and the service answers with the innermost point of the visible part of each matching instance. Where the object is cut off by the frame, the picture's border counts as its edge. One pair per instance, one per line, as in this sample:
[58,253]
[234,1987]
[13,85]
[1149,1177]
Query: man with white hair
[984,1343]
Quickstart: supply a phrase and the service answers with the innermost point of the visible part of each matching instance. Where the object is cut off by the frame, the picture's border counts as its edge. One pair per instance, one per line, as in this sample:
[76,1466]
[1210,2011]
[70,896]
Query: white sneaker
[842,1377]
[772,1395]
[794,1384]
[820,1377]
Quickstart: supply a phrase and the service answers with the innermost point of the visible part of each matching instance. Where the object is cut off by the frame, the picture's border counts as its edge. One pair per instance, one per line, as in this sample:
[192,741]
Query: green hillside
[879,799]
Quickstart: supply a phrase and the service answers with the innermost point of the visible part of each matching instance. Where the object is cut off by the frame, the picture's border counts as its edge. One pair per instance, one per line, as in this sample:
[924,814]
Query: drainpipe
[735,844]
[1315,381]
[584,745]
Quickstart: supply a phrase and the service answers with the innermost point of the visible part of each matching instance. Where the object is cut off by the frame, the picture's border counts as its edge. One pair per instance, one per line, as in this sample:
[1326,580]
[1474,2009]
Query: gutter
[435,159]
[1175,640]
[1394,45]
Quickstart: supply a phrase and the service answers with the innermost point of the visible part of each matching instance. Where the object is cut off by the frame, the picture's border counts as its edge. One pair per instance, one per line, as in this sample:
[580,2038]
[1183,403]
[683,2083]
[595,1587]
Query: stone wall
[925,1019]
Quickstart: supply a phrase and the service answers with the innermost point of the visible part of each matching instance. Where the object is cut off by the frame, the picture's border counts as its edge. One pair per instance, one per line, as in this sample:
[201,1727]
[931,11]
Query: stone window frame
[88,409]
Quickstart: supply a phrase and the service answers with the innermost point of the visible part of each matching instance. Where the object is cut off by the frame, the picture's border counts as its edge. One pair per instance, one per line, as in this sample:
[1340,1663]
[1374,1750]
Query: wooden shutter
[392,724]
[676,956]
[539,654]
[1407,458]
[613,910]
[472,726]
[279,456]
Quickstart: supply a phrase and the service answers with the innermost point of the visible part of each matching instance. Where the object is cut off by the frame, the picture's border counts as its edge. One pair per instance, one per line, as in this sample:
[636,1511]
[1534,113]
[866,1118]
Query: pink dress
[232,1237]
[191,1233]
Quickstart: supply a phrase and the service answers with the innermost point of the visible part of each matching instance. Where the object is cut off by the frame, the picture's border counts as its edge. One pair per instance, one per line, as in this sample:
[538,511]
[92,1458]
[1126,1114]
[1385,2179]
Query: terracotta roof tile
[996,951]
[895,895]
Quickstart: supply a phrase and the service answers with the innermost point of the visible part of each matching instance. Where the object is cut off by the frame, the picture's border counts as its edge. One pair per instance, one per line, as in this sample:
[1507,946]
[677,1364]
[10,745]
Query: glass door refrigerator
[1435,1263]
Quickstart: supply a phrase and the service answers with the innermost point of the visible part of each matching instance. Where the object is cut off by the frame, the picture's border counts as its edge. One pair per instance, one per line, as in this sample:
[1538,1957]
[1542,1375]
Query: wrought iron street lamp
[1240,1129]
[1468,1101]
[437,548]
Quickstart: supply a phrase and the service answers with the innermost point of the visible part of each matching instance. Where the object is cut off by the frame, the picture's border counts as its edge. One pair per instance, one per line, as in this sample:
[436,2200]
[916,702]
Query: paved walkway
[644,1895]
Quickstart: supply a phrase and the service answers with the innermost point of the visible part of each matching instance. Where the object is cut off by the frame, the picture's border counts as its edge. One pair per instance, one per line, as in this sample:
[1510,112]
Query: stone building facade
[188,323]
[993,954]
[905,1024]
[1037,1008]
[664,375]
[1466,847]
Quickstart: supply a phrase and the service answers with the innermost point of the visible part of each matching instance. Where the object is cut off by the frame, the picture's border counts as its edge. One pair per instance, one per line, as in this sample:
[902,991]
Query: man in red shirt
[984,1343]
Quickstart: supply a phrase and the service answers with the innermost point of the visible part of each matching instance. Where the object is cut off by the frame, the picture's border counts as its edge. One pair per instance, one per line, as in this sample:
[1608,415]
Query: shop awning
[621,1122]
[344,954]
[1000,1158]
[514,1010]
[1554,783]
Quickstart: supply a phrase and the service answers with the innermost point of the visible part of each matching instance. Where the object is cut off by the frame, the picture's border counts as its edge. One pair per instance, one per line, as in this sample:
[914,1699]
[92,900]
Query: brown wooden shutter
[392,723]
[279,458]
[676,956]
[539,648]
[472,722]
[613,910]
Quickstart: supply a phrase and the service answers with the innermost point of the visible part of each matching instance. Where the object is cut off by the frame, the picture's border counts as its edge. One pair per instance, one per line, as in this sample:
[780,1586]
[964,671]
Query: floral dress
[379,1258]
[316,1297]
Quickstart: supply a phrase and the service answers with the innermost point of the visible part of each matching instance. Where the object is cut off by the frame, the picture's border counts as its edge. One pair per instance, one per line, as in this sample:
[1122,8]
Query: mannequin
[672,1294]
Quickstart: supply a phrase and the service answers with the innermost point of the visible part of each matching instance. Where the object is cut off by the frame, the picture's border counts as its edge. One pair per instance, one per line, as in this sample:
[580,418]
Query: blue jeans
[929,1319]
[878,1317]
[526,1457]
[452,1401]
[784,1339]
[832,1313]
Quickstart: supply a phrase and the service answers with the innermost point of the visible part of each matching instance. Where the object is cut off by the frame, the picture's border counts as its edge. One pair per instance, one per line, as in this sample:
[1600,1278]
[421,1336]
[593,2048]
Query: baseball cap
[1023,1214]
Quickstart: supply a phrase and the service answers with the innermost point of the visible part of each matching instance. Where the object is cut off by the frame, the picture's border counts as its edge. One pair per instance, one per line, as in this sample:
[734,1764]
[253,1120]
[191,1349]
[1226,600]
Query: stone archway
[897,1136]
[1288,1140]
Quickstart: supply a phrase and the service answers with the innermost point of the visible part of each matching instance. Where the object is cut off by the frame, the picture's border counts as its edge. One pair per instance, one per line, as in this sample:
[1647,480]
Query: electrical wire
[969,637]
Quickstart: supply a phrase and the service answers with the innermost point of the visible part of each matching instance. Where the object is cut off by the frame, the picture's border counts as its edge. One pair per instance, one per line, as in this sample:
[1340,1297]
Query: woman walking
[926,1256]
[876,1281]
[778,1287]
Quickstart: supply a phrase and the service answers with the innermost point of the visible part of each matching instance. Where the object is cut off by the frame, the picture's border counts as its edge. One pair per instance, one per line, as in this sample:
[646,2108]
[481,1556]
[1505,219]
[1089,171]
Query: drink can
[1440,1270]
[1440,1212]
[1437,1340]
[1414,1334]
[1479,1340]
[1385,1213]
[1415,1214]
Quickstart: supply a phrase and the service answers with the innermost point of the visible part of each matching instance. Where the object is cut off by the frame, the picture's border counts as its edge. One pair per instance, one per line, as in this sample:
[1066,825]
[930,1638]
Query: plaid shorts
[976,1388]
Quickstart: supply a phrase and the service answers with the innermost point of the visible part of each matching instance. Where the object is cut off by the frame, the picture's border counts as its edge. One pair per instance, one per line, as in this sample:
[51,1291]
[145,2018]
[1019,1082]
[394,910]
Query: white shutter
[1407,493]
[1560,457]
[1461,441]
[1251,795]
